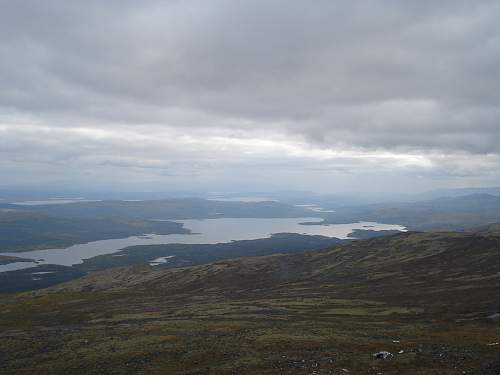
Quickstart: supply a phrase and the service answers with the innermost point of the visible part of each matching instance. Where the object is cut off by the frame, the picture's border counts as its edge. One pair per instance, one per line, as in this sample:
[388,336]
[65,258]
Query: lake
[52,201]
[208,231]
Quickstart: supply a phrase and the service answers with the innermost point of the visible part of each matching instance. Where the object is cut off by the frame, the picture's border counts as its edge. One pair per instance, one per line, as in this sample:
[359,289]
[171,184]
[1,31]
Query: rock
[383,355]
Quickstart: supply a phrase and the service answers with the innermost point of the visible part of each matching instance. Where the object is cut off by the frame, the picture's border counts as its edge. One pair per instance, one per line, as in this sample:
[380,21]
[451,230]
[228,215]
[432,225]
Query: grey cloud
[254,59]
[387,76]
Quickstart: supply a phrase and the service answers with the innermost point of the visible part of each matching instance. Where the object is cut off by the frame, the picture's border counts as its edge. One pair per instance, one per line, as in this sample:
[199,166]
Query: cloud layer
[220,92]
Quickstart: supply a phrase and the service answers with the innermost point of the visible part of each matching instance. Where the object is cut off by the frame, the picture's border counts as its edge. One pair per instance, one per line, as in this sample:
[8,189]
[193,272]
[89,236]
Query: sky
[224,95]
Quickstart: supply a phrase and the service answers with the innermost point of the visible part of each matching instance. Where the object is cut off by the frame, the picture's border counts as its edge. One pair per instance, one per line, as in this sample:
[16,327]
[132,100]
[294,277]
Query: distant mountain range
[457,192]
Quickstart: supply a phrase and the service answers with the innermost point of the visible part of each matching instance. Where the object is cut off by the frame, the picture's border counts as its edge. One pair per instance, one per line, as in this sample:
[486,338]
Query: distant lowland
[155,229]
[43,244]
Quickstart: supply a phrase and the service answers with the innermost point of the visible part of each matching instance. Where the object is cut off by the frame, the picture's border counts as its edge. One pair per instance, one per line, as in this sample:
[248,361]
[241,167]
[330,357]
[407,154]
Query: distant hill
[489,230]
[450,193]
[450,213]
[60,225]
[178,209]
[22,230]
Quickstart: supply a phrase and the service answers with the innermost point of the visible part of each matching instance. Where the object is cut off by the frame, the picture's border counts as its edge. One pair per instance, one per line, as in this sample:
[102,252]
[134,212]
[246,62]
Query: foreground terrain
[430,299]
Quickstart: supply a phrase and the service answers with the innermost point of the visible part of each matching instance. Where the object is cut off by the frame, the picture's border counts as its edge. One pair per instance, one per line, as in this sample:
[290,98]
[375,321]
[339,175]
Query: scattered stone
[383,355]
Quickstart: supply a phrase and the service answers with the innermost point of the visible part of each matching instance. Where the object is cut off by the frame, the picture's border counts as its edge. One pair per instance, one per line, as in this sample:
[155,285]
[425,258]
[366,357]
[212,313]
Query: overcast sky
[253,95]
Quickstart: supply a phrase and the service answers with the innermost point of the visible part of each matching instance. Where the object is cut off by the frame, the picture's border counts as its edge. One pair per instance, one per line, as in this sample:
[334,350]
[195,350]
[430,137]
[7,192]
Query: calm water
[313,207]
[242,199]
[52,201]
[208,231]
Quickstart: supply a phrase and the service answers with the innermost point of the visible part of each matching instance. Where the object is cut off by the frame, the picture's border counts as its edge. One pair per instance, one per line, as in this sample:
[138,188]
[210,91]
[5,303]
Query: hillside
[431,299]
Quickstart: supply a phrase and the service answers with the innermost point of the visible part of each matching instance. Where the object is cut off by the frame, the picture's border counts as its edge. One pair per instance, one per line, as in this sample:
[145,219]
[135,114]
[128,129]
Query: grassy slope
[298,313]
